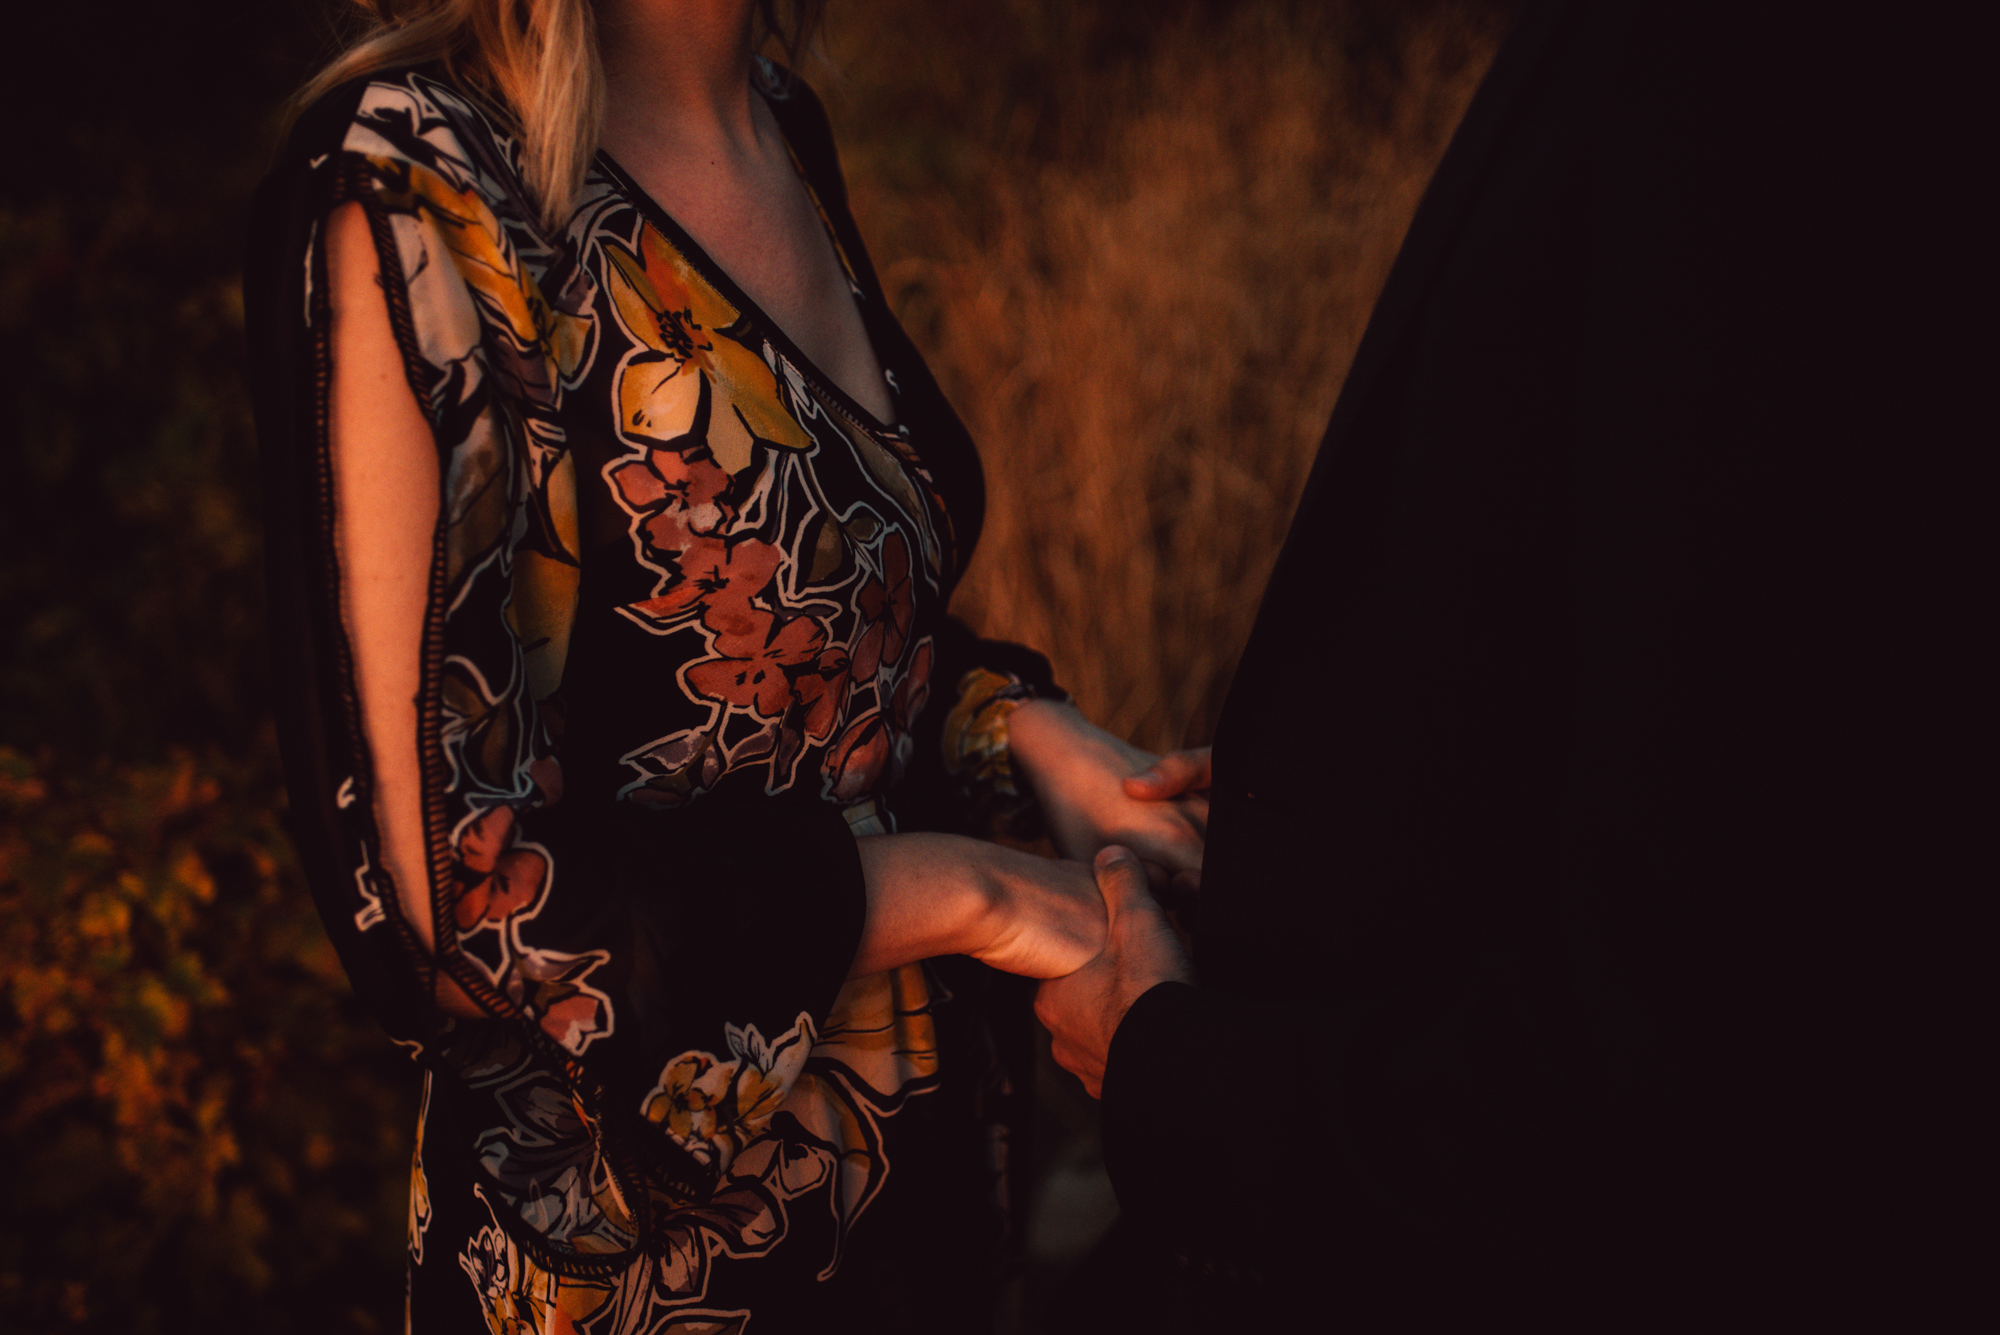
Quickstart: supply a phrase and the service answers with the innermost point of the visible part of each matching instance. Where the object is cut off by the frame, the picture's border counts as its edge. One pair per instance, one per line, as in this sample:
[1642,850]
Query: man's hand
[1183,778]
[1175,774]
[1096,789]
[1084,1009]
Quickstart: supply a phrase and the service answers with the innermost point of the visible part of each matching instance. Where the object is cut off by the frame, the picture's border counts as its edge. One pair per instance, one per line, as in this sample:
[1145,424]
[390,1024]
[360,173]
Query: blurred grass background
[1139,242]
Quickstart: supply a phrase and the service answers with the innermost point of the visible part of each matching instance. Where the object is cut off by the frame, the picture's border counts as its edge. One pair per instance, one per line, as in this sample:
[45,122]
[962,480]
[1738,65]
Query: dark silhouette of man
[1585,941]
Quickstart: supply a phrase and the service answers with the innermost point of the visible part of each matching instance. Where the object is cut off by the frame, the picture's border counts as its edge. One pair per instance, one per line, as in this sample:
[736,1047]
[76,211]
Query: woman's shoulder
[416,117]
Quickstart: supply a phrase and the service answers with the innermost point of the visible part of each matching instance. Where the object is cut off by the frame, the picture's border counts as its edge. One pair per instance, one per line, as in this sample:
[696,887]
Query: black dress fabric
[1589,896]
[687,638]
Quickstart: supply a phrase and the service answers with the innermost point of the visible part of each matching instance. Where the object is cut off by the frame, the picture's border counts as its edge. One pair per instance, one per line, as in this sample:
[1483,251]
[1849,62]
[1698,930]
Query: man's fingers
[1171,775]
[1120,877]
[1079,1064]
[1165,777]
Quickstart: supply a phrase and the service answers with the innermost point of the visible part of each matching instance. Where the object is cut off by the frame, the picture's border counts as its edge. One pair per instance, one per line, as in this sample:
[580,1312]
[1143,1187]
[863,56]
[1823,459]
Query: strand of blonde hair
[538,58]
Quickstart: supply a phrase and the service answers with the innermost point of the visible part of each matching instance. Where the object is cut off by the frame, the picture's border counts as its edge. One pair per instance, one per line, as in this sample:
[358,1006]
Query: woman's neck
[677,72]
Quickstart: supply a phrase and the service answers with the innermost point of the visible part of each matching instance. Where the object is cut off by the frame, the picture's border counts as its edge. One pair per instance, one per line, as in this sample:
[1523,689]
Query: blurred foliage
[202,1133]
[1137,237]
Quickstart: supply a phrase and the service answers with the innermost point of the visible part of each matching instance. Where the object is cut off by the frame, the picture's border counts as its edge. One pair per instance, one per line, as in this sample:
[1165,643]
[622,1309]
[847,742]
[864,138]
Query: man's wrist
[1137,1044]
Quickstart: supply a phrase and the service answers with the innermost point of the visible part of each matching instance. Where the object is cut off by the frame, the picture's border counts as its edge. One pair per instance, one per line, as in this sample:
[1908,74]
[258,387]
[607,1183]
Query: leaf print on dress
[786,1118]
[782,1120]
[887,608]
[879,1050]
[662,1290]
[538,1146]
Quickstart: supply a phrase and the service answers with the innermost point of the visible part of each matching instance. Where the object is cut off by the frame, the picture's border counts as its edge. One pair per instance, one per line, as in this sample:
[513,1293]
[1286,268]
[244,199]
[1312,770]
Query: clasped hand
[1138,818]
[1087,920]
[1096,790]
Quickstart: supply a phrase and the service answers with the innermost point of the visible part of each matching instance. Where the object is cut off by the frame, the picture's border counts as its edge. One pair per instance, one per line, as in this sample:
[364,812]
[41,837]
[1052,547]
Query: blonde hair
[537,58]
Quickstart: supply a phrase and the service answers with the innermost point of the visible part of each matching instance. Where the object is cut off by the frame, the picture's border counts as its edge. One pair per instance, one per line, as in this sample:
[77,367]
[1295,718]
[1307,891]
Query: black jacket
[1585,938]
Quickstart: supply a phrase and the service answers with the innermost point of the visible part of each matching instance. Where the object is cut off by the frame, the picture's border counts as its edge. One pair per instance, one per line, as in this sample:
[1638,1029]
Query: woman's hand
[1096,789]
[942,894]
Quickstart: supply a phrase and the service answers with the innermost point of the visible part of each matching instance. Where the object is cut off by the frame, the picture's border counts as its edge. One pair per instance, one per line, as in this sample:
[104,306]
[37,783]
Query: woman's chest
[755,220]
[759,556]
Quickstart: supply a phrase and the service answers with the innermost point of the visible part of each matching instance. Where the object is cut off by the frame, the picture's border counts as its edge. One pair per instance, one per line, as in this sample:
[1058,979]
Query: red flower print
[688,479]
[887,607]
[717,580]
[857,759]
[667,539]
[677,497]
[823,690]
[752,673]
[500,880]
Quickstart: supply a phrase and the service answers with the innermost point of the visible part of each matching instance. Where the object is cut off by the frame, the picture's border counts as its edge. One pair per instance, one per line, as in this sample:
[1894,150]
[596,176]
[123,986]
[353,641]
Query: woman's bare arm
[944,894]
[385,488]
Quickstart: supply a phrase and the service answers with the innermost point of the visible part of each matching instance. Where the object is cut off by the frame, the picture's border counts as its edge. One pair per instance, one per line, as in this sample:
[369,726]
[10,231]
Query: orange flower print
[688,337]
[752,673]
[500,881]
[690,1103]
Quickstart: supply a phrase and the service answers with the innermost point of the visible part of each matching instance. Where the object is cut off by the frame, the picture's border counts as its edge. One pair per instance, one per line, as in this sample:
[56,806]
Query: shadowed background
[1138,241]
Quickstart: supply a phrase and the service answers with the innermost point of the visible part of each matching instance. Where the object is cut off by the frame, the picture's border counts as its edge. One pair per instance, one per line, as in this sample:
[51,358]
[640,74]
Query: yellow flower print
[975,732]
[712,1108]
[688,1099]
[684,329]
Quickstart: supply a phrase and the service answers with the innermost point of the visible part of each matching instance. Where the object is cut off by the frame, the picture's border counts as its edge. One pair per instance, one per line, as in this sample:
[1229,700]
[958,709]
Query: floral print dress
[686,639]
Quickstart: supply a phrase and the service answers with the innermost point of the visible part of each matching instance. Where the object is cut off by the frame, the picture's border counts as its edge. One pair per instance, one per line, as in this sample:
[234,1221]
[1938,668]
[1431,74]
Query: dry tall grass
[1140,258]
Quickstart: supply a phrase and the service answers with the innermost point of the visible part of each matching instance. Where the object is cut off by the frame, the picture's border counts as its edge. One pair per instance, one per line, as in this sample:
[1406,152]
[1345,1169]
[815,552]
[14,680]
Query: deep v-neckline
[718,278]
